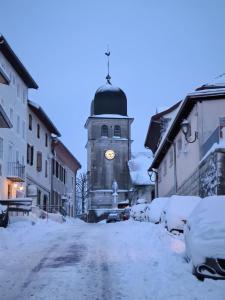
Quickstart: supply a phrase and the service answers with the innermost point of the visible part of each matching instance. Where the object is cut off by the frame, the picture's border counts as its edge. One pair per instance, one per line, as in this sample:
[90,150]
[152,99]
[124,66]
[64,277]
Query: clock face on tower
[109,154]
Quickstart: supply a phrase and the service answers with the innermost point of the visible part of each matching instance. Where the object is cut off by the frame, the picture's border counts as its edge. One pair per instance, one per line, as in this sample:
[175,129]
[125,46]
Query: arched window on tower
[104,131]
[117,131]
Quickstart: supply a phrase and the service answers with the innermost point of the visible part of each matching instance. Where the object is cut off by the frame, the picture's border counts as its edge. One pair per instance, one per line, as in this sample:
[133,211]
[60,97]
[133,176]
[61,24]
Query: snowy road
[127,260]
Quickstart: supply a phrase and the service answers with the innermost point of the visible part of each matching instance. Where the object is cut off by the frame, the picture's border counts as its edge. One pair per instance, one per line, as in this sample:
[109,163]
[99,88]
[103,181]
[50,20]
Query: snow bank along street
[76,260]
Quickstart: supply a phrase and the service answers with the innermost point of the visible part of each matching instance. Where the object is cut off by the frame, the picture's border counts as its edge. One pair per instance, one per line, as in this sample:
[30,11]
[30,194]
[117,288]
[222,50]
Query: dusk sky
[160,51]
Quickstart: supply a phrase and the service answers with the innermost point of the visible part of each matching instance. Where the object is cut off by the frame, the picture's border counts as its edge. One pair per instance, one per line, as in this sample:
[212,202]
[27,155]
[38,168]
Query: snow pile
[205,230]
[128,260]
[141,201]
[178,209]
[138,167]
[138,211]
[40,213]
[156,208]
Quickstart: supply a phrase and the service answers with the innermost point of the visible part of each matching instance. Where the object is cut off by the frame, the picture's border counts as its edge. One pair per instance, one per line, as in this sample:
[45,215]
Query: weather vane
[108,77]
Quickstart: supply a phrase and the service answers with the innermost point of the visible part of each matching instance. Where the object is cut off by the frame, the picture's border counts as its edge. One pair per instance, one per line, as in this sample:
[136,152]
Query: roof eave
[16,63]
[190,99]
[40,113]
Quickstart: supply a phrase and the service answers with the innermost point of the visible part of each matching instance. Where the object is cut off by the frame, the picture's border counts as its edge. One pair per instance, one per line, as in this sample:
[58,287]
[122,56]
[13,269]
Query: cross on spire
[108,77]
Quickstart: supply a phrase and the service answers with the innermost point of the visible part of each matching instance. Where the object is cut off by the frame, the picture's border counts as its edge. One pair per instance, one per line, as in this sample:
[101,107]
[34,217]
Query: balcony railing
[16,172]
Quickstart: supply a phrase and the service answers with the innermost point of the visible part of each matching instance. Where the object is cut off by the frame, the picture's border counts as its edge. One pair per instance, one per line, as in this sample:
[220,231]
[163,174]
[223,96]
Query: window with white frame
[46,168]
[38,131]
[39,161]
[104,131]
[30,122]
[117,131]
[46,140]
[30,154]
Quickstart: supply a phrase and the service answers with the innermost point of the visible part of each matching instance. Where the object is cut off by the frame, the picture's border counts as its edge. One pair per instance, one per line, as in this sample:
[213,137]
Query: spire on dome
[108,77]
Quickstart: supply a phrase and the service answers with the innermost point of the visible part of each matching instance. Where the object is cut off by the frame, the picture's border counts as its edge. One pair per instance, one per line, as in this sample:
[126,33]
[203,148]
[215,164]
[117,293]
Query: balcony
[16,172]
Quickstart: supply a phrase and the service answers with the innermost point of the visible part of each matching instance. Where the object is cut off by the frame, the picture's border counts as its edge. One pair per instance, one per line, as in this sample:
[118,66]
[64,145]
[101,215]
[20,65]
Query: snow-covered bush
[154,213]
[205,230]
[177,211]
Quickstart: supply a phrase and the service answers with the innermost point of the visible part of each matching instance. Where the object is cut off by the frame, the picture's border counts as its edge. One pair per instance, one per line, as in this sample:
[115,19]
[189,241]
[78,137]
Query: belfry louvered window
[104,131]
[117,131]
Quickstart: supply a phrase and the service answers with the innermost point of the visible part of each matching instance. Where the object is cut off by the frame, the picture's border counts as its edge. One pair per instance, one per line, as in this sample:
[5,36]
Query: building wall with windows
[38,160]
[104,134]
[205,113]
[13,98]
[64,169]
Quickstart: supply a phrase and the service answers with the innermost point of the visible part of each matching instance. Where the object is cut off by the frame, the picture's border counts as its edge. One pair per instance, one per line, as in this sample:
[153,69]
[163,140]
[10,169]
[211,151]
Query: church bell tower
[108,146]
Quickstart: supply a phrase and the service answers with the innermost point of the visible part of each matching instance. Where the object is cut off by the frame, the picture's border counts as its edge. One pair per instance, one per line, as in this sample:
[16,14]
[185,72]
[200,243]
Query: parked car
[126,214]
[177,211]
[138,212]
[204,236]
[114,217]
[155,210]
[4,216]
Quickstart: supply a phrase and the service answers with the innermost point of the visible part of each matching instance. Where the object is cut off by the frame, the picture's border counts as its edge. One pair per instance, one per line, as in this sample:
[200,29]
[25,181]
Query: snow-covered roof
[217,83]
[138,166]
[107,87]
[183,111]
[215,146]
[110,116]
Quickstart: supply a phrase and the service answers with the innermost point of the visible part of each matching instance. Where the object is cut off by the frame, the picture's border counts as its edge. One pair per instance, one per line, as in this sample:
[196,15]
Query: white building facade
[191,162]
[13,99]
[39,154]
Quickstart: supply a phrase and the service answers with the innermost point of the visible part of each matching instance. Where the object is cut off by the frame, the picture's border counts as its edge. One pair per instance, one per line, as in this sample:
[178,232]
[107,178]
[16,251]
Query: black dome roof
[109,100]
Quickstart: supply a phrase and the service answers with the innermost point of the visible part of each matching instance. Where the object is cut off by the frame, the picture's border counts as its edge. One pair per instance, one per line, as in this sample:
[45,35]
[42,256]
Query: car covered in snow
[114,217]
[155,209]
[204,236]
[138,212]
[177,211]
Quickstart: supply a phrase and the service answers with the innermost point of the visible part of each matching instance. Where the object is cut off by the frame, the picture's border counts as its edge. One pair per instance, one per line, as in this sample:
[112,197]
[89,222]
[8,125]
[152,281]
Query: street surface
[126,260]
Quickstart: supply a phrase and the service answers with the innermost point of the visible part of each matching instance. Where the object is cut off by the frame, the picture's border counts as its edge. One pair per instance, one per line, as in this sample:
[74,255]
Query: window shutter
[39,161]
[28,153]
[31,155]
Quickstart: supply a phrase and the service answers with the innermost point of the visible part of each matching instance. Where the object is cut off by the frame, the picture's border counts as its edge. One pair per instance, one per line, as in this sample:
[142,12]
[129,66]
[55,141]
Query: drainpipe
[175,166]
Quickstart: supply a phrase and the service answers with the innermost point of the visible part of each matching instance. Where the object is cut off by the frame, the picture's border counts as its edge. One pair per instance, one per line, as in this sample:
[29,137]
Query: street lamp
[185,128]
[150,174]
